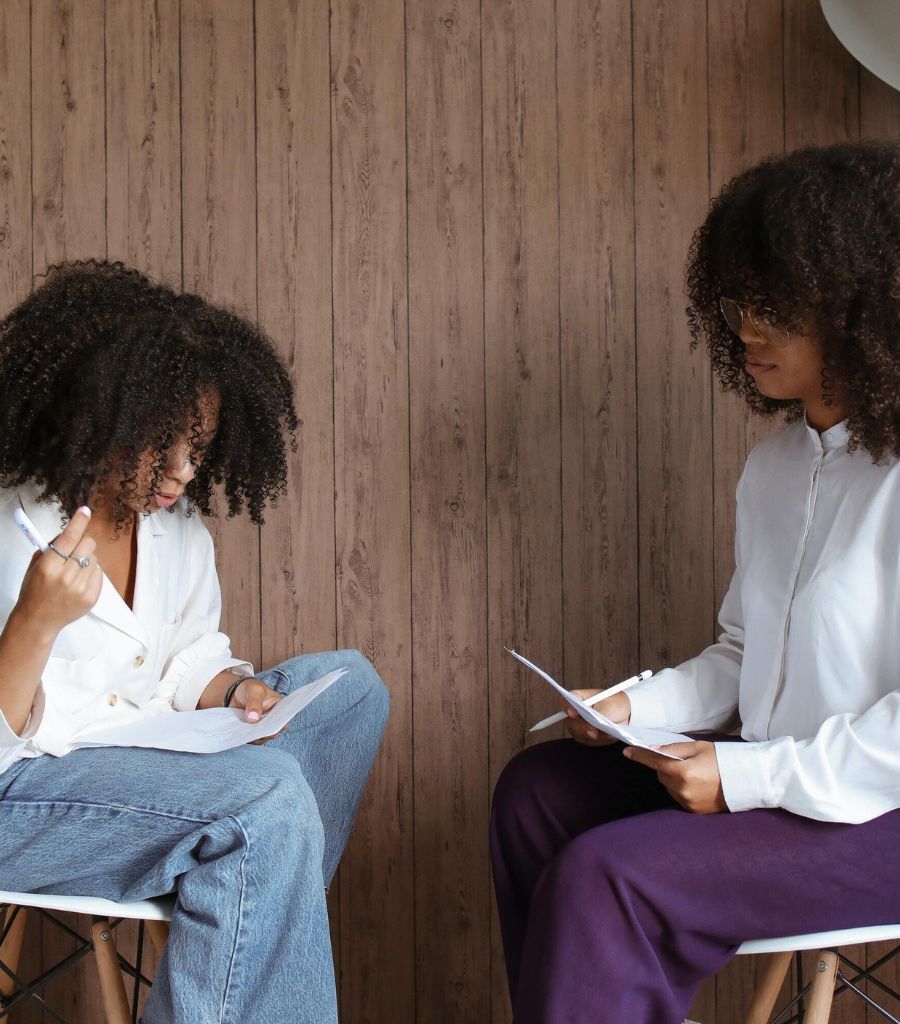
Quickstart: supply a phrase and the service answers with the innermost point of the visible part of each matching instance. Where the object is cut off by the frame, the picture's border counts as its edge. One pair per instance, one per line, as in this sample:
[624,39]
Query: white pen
[29,529]
[560,716]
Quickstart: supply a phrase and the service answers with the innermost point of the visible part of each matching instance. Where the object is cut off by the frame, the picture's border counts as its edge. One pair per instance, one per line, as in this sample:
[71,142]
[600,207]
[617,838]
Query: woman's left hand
[255,698]
[694,782]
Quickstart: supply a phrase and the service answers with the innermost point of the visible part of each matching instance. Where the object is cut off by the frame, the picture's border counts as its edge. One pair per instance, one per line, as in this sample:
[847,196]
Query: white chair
[105,916]
[829,978]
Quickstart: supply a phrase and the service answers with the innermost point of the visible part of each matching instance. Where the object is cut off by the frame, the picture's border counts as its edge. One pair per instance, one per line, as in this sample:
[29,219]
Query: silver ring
[56,551]
[83,560]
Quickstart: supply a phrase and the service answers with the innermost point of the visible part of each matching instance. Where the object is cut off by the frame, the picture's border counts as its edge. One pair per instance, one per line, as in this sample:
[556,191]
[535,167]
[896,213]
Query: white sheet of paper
[205,732]
[633,736]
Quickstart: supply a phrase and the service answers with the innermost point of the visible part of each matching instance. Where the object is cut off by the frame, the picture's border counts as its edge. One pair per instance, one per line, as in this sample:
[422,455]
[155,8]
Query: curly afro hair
[99,365]
[814,235]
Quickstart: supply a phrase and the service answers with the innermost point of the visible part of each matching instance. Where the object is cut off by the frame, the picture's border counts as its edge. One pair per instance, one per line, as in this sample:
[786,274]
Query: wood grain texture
[68,150]
[447,424]
[522,365]
[219,247]
[294,257]
[371,389]
[879,108]
[522,377]
[143,143]
[15,152]
[821,82]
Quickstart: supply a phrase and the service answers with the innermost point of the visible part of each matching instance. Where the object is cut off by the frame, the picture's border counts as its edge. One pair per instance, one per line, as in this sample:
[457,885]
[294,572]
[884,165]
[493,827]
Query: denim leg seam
[105,807]
[240,919]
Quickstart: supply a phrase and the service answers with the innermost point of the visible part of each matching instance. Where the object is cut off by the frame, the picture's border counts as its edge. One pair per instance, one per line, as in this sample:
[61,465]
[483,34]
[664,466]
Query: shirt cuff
[647,706]
[200,676]
[744,772]
[10,738]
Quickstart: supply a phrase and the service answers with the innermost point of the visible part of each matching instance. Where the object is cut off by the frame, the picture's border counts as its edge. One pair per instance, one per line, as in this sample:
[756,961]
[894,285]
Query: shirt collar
[154,523]
[829,440]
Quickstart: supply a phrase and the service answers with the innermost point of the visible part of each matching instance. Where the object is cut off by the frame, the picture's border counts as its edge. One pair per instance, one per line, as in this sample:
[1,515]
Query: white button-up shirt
[115,663]
[809,656]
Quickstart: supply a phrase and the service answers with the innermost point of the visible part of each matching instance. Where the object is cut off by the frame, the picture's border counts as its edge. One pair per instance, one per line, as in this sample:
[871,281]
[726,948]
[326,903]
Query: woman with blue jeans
[122,404]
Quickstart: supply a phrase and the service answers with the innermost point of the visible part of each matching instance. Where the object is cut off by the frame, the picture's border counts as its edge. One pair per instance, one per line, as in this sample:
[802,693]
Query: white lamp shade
[870,30]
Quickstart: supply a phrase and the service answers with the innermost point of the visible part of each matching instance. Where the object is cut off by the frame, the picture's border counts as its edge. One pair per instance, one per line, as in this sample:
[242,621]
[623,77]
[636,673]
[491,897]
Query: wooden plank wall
[464,225]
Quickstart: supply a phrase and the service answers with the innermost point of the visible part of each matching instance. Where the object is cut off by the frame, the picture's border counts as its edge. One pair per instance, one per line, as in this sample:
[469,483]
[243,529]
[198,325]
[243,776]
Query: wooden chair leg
[768,988]
[112,986]
[11,950]
[159,934]
[822,992]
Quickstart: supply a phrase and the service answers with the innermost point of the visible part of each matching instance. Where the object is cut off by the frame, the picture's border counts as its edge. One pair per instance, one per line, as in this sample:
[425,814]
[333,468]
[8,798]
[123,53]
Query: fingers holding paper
[255,698]
[616,708]
[693,781]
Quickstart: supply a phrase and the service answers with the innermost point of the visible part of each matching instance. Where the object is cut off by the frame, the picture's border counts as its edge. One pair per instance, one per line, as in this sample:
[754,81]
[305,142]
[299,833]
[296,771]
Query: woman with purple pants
[623,881]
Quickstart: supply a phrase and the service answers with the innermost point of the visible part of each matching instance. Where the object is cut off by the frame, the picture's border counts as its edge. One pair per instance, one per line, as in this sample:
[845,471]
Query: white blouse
[115,664]
[809,656]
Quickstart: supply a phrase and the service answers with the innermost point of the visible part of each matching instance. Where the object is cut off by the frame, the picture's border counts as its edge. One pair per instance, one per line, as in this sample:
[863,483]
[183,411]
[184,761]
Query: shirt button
[138,661]
[112,700]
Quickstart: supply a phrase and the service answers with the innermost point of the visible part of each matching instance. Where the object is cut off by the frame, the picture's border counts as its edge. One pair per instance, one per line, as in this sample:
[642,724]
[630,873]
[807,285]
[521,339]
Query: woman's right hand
[617,708]
[55,590]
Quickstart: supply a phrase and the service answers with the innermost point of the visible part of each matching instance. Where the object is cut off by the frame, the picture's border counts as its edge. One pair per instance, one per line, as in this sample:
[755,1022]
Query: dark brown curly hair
[814,235]
[99,365]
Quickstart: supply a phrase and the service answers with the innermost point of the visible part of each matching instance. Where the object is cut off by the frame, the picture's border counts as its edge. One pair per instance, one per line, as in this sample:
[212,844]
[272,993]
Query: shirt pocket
[72,684]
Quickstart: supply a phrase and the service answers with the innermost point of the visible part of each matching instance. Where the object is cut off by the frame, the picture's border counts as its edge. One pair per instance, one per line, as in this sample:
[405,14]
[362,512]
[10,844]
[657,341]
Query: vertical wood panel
[372,487]
[15,153]
[879,108]
[675,427]
[16,270]
[448,511]
[219,249]
[143,167]
[294,259]
[67,96]
[522,371]
[821,90]
[522,377]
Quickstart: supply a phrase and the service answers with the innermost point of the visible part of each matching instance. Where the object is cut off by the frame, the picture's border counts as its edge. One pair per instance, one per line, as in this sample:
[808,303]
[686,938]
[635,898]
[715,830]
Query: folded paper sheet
[633,736]
[205,732]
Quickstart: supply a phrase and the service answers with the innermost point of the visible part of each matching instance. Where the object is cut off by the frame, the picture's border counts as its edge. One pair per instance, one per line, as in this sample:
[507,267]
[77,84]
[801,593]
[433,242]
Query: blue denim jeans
[248,838]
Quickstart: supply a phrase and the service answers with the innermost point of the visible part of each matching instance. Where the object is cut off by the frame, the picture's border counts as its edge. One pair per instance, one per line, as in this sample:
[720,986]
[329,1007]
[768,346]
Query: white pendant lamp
[870,30]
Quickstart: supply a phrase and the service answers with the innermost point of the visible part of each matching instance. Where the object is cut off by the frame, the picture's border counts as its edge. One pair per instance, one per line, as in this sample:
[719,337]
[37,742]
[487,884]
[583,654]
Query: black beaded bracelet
[229,693]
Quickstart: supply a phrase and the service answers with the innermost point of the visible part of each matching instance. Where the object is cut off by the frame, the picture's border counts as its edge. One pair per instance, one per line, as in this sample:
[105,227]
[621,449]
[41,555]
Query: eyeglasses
[766,322]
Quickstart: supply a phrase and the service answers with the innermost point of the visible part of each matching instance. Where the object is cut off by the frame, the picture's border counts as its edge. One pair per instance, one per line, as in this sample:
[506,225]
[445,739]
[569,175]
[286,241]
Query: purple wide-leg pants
[615,903]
